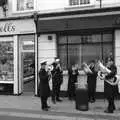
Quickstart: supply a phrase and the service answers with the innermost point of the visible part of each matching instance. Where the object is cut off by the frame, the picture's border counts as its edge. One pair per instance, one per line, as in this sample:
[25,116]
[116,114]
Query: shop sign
[7,27]
[17,27]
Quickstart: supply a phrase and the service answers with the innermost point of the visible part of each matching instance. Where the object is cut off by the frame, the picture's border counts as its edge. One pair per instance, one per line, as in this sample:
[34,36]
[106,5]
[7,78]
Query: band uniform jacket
[72,79]
[91,79]
[44,89]
[111,90]
[57,76]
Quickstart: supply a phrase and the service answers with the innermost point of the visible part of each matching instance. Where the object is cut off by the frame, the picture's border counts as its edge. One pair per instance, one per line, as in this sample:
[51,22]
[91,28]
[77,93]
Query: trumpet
[86,68]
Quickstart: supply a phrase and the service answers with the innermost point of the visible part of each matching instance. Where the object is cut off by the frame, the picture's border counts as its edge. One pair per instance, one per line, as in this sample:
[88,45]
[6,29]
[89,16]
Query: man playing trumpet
[91,79]
[110,84]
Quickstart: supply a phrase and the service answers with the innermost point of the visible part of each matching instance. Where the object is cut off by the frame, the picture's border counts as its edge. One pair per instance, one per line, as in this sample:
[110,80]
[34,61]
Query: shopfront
[16,54]
[83,36]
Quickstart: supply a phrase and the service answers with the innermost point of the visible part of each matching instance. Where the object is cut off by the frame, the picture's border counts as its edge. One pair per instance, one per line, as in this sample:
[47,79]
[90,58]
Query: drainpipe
[100,3]
[35,16]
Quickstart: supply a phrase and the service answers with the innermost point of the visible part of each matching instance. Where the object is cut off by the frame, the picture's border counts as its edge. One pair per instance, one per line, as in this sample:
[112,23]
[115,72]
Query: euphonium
[105,71]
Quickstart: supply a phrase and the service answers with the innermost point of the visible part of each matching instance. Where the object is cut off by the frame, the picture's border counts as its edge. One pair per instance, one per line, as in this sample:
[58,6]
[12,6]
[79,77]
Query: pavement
[29,106]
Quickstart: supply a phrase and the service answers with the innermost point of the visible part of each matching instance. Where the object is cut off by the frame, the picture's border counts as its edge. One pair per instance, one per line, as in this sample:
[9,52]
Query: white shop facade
[17,38]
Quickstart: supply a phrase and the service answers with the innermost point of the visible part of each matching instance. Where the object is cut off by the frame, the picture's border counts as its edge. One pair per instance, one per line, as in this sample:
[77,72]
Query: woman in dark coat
[44,89]
[110,90]
[73,74]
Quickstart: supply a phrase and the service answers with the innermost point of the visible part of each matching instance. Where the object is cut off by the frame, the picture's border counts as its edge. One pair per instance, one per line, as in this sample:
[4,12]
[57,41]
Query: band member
[110,90]
[44,89]
[57,79]
[91,81]
[73,74]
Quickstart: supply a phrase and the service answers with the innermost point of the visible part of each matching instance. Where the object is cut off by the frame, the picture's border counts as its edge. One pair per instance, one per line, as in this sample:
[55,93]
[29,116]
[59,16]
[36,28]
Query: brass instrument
[86,68]
[103,71]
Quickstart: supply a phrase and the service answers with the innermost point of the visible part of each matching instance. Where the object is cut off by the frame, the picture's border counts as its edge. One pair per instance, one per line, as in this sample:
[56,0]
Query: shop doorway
[28,72]
[27,65]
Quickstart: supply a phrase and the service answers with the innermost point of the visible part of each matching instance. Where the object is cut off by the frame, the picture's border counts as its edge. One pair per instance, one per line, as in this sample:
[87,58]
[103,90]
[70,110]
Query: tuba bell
[103,69]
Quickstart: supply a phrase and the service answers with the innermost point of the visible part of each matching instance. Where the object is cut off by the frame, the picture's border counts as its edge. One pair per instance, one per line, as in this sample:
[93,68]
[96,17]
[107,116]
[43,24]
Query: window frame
[92,2]
[102,43]
[14,7]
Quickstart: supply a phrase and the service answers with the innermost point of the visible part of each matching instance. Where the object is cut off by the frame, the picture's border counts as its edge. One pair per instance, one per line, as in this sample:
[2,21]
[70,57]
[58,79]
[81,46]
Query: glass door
[27,64]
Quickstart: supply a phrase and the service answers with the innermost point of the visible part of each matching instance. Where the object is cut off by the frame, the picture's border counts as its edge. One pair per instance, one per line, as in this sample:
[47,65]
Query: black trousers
[111,104]
[71,91]
[44,102]
[55,91]
[91,92]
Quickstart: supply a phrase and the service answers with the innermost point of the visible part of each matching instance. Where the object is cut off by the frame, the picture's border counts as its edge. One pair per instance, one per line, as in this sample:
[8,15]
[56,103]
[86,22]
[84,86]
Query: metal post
[35,15]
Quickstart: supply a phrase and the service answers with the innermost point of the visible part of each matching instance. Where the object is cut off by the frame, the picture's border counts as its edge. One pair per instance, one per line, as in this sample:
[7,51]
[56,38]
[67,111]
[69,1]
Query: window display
[6,61]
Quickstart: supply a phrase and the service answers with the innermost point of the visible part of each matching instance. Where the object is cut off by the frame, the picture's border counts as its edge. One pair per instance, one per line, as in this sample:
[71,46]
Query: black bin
[81,100]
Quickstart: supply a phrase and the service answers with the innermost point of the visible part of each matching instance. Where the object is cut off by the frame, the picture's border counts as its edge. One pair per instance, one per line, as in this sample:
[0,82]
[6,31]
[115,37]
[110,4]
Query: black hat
[54,64]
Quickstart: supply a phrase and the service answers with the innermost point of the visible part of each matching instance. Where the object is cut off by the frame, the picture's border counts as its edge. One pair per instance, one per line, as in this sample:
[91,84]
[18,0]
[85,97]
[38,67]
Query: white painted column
[47,50]
[36,65]
[117,50]
[16,71]
[117,53]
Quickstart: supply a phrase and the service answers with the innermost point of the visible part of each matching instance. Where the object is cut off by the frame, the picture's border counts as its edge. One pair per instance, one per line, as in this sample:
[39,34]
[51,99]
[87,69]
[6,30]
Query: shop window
[63,55]
[6,61]
[24,5]
[84,48]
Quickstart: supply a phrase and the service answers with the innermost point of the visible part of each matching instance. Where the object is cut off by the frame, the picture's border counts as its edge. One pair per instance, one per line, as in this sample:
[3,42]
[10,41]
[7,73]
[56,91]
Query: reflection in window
[25,5]
[76,49]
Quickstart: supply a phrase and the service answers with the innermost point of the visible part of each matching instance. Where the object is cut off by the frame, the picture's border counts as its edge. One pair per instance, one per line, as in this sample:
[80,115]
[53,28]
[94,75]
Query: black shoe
[45,109]
[108,111]
[114,108]
[92,101]
[59,100]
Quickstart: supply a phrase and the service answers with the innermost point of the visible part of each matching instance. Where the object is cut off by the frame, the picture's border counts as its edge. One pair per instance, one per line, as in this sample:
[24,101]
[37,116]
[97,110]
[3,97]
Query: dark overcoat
[72,80]
[110,90]
[44,89]
[91,79]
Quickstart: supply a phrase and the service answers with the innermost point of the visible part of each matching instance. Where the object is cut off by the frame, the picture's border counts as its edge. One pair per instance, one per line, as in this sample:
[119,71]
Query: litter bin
[81,100]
